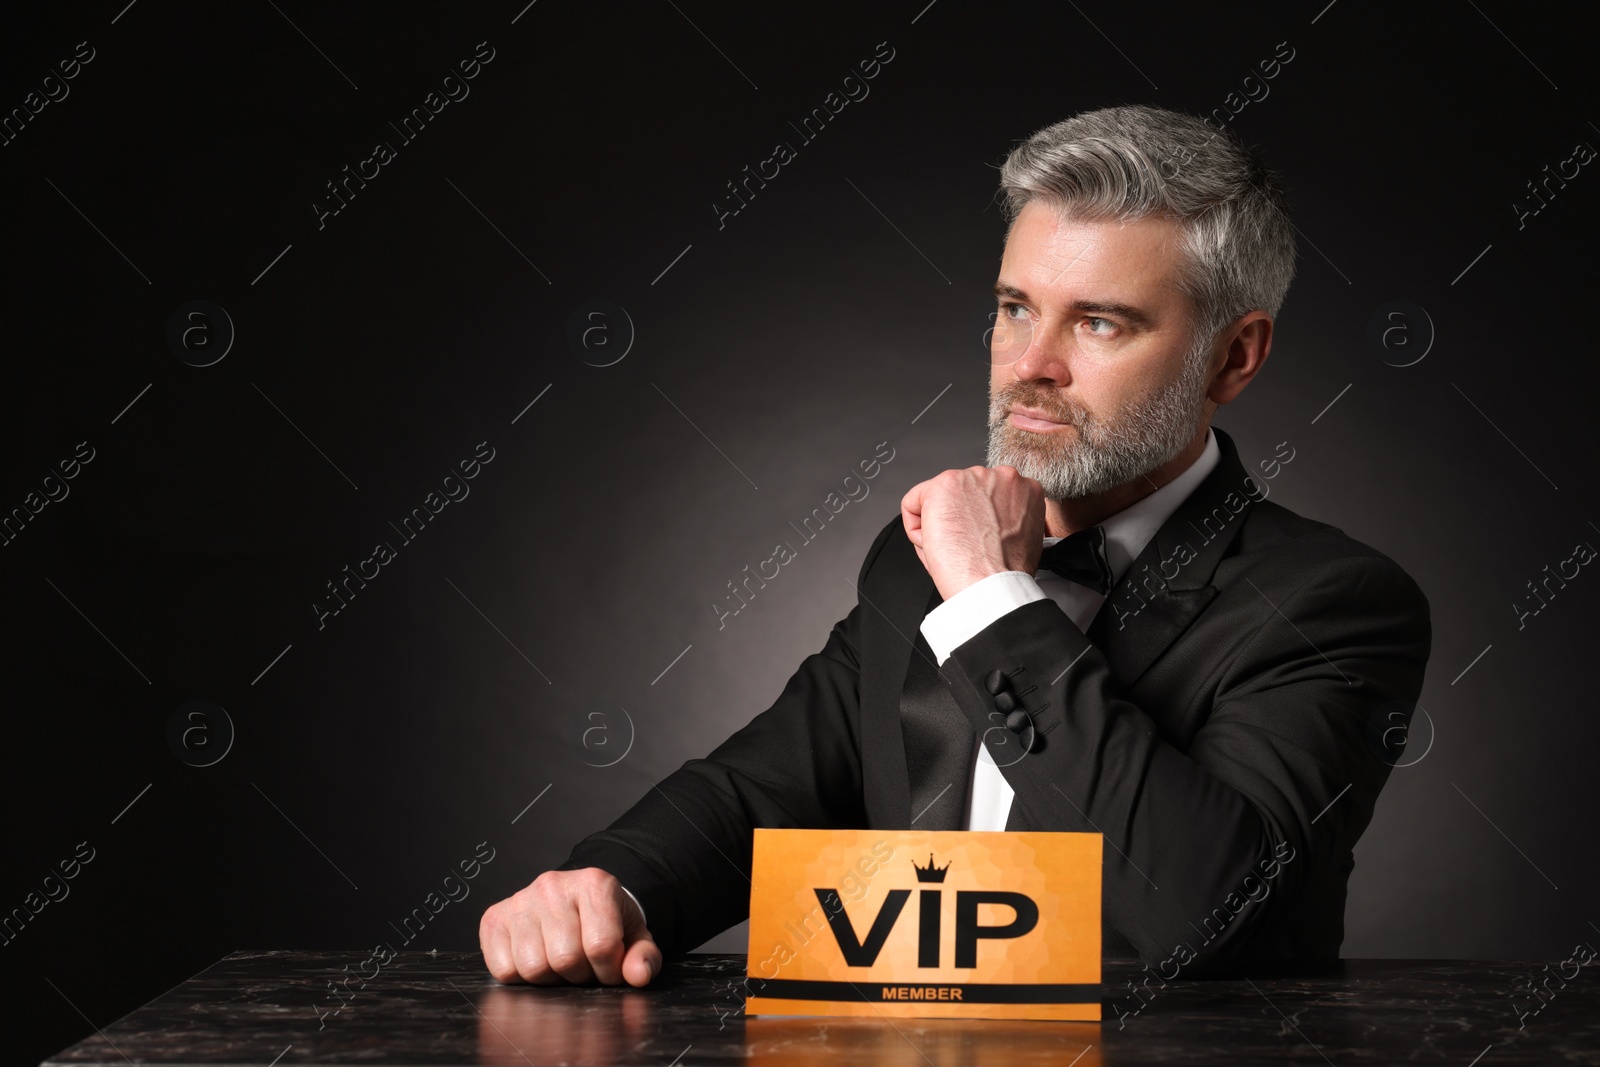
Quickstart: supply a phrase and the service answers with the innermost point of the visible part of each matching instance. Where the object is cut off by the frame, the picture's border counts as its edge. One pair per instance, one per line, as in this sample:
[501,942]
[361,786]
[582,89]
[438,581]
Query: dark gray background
[772,357]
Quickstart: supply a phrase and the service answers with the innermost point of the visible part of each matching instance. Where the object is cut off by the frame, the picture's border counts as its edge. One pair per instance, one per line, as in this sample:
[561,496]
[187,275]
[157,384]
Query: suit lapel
[888,640]
[1170,583]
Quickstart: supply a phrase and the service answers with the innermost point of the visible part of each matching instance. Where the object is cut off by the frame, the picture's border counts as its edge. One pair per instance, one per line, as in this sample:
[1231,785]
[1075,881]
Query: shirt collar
[1129,530]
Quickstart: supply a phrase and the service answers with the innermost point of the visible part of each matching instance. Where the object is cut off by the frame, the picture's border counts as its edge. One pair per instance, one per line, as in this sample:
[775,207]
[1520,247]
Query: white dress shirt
[964,615]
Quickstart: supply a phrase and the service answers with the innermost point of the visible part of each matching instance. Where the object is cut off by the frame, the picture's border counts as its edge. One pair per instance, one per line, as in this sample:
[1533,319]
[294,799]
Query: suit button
[1018,721]
[1004,701]
[1035,741]
[994,681]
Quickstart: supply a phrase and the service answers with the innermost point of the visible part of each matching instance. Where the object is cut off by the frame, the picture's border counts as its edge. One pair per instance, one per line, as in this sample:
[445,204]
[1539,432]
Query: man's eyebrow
[1127,311]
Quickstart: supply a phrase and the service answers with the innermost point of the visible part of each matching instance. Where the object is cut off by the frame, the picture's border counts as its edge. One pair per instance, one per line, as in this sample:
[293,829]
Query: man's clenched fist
[574,926]
[968,524]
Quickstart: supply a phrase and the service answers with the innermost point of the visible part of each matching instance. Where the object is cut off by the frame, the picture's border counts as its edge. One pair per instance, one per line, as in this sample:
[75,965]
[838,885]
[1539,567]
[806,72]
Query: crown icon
[930,873]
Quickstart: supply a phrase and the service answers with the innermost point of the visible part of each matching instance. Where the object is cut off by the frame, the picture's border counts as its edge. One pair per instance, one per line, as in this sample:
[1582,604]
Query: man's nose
[1040,355]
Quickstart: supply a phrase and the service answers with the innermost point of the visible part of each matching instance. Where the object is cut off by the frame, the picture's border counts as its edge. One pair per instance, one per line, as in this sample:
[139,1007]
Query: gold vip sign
[953,924]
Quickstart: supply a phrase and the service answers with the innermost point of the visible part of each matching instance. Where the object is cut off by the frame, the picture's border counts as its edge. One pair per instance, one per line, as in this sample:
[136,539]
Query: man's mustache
[1071,416]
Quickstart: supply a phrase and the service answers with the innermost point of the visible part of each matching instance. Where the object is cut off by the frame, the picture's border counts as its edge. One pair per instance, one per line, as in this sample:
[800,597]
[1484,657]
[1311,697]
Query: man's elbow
[1220,948]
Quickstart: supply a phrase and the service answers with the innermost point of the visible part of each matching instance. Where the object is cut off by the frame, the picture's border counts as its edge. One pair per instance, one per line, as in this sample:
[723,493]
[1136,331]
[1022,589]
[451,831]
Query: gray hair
[1130,163]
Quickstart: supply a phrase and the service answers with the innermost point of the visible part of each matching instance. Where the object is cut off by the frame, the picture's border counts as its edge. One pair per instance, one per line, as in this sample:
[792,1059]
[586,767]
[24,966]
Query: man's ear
[1245,346]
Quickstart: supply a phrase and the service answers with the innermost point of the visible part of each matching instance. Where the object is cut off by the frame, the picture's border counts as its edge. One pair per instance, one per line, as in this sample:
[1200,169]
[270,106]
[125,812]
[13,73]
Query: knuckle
[601,942]
[529,964]
[563,958]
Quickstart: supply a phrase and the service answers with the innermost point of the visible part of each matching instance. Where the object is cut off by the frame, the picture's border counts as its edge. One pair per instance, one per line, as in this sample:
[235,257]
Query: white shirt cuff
[965,615]
[641,906]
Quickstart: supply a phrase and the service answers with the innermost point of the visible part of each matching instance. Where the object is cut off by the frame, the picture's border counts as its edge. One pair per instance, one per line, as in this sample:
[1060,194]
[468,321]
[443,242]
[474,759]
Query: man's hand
[573,926]
[969,524]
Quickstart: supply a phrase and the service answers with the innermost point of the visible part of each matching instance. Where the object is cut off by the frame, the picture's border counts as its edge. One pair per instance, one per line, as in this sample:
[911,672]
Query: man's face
[1093,333]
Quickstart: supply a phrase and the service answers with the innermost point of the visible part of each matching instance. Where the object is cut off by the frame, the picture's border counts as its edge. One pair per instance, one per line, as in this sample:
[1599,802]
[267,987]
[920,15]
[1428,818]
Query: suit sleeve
[684,849]
[1214,846]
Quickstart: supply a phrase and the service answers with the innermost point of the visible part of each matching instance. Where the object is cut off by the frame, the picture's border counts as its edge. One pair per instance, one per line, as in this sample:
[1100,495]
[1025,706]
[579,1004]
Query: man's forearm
[1281,739]
[653,852]
[684,848]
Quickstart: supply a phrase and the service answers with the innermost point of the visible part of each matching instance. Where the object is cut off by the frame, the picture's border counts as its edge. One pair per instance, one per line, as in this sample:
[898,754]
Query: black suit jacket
[1227,724]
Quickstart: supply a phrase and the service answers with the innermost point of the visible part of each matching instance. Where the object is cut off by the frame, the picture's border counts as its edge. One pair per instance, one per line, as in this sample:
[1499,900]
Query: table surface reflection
[443,1008]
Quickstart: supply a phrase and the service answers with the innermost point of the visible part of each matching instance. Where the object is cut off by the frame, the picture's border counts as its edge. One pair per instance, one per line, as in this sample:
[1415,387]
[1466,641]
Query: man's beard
[1098,454]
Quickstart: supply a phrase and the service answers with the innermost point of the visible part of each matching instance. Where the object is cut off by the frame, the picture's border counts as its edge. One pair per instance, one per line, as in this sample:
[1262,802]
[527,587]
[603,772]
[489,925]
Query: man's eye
[1007,309]
[1109,327]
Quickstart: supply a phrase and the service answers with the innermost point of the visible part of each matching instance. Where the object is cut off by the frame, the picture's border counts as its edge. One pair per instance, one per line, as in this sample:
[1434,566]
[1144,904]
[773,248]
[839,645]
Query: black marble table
[437,1009]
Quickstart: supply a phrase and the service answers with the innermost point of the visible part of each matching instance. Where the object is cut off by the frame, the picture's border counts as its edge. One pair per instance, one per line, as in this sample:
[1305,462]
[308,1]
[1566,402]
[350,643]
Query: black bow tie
[1081,558]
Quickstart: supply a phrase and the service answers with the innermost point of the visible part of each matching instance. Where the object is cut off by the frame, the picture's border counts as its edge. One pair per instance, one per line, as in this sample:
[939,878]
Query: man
[1195,672]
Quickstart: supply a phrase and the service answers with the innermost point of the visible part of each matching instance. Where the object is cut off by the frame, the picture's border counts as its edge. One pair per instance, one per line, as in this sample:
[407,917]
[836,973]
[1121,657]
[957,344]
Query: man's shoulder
[1290,550]
[890,544]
